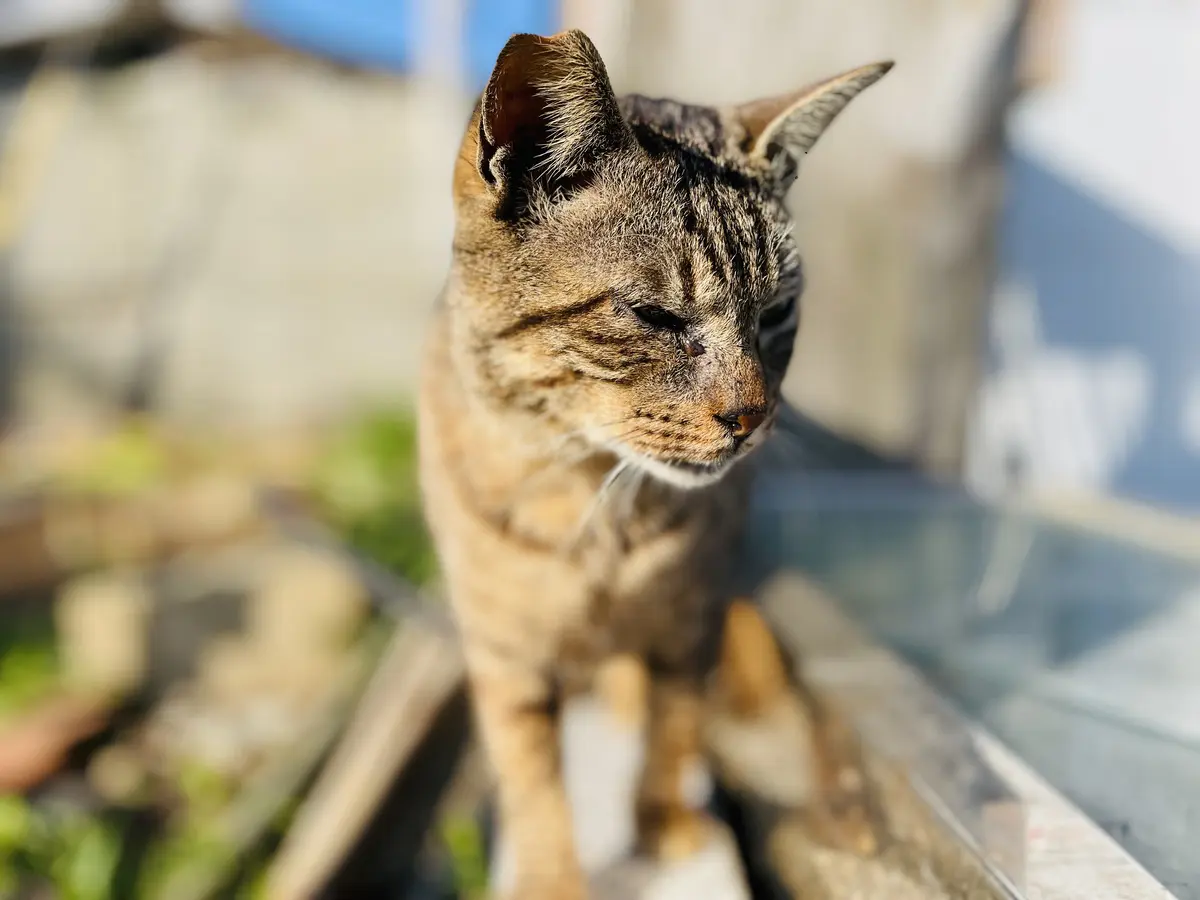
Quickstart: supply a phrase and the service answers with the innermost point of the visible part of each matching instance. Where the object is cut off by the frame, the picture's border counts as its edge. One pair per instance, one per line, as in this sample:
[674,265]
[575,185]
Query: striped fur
[623,297]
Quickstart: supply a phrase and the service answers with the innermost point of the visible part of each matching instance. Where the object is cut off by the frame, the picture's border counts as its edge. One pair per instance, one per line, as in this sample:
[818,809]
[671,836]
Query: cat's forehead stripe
[731,234]
[730,222]
[687,279]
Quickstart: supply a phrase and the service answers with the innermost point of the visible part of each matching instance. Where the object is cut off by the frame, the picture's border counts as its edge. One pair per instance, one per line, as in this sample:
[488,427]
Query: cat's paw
[558,889]
[623,685]
[846,815]
[669,836]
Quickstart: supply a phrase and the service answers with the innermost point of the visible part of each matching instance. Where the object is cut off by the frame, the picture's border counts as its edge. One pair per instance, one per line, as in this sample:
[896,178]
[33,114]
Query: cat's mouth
[689,474]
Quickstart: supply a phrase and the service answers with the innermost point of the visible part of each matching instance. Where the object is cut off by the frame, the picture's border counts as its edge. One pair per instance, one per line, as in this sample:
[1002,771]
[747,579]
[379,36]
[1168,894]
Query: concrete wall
[270,232]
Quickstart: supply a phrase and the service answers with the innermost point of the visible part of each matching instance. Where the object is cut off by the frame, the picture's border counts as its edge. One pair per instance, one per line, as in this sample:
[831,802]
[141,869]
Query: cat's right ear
[547,117]
[781,130]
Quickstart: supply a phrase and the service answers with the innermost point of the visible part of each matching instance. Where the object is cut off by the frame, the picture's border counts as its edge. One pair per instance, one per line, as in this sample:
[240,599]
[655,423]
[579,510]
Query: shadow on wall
[1094,375]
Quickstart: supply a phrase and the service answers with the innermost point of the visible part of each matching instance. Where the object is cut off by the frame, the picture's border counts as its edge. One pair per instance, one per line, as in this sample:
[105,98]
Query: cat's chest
[657,566]
[633,596]
[634,539]
[586,514]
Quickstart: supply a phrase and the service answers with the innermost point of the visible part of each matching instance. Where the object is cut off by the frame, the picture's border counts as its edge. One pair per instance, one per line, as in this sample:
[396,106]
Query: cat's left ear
[548,115]
[781,130]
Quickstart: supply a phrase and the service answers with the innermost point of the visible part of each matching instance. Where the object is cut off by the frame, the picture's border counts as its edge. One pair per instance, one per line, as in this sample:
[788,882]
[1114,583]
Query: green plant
[75,853]
[367,483]
[178,858]
[464,842]
[85,855]
[16,820]
[205,790]
[28,666]
[129,460]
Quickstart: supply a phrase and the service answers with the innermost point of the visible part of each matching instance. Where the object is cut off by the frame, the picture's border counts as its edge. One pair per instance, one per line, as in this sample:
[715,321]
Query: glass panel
[1077,650]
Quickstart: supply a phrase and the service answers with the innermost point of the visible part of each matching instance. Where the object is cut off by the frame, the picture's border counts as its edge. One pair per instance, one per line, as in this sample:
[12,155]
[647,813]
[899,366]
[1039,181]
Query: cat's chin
[687,476]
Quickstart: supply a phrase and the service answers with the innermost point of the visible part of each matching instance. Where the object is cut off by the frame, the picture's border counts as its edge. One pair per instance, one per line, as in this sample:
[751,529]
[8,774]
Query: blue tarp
[375,33]
[384,34]
[489,23]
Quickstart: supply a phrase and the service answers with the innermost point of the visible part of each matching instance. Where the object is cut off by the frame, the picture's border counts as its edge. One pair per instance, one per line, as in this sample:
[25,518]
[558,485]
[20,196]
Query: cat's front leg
[519,727]
[669,826]
[772,738]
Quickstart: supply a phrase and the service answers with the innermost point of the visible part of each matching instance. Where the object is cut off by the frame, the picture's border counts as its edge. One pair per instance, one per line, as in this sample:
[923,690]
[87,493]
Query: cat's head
[629,271]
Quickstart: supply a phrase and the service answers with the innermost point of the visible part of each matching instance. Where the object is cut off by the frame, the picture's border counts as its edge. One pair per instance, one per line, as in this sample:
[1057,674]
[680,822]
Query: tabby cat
[609,348]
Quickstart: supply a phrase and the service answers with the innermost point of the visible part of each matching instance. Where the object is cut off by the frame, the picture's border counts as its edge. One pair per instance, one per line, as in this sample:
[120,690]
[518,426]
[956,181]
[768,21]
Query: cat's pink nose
[741,423]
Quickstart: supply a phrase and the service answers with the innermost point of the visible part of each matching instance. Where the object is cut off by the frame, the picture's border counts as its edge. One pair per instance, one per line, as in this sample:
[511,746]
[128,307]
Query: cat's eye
[777,314]
[657,317]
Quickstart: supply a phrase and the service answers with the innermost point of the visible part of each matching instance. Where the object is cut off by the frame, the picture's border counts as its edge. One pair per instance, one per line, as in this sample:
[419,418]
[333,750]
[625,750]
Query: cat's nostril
[747,423]
[741,423]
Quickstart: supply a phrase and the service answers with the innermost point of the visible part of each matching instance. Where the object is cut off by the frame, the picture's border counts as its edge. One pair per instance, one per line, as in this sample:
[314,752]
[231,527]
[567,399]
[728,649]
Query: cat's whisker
[559,441]
[553,466]
[623,491]
[606,486]
[624,433]
[629,500]
[556,461]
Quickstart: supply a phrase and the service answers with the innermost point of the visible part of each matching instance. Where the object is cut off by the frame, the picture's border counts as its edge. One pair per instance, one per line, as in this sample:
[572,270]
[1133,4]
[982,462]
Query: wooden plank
[250,817]
[1068,855]
[1028,836]
[419,674]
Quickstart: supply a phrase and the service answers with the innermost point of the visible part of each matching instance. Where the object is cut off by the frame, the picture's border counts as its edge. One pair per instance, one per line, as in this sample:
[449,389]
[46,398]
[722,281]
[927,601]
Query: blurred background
[222,227]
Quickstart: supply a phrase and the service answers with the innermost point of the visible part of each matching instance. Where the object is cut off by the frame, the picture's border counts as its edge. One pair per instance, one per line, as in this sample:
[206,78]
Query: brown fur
[609,348]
